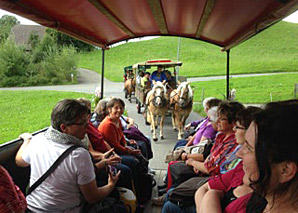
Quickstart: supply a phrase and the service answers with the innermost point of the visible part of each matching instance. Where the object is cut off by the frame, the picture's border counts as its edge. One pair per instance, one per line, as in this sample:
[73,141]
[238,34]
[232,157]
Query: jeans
[170,207]
[180,143]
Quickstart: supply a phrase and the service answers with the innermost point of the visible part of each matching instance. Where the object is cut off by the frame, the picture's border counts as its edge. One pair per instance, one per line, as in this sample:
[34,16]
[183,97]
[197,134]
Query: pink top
[225,182]
[11,197]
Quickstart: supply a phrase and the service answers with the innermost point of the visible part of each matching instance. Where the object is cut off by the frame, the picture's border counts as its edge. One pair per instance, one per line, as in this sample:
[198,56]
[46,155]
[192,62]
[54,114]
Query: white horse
[157,105]
[181,99]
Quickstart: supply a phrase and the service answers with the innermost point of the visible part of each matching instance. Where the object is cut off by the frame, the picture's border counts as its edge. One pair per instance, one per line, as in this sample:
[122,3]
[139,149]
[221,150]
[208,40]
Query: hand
[187,127]
[26,137]
[108,154]
[189,161]
[135,151]
[132,142]
[113,160]
[129,126]
[189,138]
[113,179]
[196,170]
[184,156]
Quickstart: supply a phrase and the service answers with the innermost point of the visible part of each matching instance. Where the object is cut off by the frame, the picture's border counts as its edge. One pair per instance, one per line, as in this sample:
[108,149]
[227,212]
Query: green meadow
[273,50]
[28,111]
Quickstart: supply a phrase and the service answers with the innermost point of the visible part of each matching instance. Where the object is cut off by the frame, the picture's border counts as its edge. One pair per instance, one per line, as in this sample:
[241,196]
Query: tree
[65,40]
[6,24]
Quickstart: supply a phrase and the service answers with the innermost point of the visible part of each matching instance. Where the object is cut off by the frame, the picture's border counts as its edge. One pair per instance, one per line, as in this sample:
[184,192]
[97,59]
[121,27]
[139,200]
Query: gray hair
[206,101]
[67,112]
[213,113]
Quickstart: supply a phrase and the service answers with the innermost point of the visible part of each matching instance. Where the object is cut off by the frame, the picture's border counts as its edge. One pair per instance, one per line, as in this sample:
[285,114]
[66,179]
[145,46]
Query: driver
[158,75]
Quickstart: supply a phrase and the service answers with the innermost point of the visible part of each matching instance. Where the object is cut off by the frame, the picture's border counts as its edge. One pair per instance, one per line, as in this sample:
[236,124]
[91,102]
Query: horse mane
[183,85]
[159,84]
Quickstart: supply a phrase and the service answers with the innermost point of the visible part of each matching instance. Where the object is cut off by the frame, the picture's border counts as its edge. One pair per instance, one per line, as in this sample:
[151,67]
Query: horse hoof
[161,137]
[155,139]
[175,130]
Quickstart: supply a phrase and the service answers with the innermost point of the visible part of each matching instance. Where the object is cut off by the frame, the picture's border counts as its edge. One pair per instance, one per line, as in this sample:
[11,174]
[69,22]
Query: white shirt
[60,191]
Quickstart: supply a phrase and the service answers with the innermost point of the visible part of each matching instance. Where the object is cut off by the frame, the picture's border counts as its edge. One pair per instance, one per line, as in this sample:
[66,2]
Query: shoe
[158,201]
[151,171]
[162,191]
[162,186]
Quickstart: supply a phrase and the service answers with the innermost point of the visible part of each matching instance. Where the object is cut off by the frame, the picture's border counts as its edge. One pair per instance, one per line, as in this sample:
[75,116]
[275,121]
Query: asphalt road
[89,80]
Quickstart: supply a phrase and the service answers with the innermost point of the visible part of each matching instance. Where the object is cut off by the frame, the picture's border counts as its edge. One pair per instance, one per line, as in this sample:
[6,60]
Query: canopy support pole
[228,74]
[102,71]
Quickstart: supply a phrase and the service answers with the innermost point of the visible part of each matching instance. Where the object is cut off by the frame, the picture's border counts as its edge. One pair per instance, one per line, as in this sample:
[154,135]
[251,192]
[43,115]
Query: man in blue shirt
[158,75]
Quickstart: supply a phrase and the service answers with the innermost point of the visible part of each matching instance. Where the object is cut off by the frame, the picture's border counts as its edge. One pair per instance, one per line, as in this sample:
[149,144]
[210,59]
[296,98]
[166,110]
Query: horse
[181,101]
[157,105]
[129,86]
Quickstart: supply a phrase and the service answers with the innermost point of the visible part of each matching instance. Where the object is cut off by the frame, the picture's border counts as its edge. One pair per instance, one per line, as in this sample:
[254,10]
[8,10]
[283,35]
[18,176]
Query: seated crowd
[250,165]
[236,159]
[109,151]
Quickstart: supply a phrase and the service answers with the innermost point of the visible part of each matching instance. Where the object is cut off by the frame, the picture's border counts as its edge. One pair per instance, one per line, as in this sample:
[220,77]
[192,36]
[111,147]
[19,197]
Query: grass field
[273,50]
[250,89]
[28,111]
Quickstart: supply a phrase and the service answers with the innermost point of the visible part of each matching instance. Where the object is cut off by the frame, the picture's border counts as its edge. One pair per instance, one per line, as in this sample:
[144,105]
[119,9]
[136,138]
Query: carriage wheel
[139,107]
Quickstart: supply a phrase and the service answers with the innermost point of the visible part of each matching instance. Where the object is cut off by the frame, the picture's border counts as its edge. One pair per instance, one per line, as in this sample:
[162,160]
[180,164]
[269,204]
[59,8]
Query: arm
[195,156]
[92,194]
[199,166]
[19,160]
[131,122]
[95,154]
[189,143]
[211,202]
[200,193]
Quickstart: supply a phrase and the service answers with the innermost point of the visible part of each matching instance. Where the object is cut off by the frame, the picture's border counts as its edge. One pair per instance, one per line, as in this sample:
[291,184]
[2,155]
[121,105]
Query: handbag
[181,172]
[195,149]
[183,195]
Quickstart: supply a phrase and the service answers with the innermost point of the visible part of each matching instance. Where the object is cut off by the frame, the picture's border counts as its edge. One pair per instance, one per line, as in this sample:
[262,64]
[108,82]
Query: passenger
[100,112]
[203,128]
[158,75]
[270,159]
[74,178]
[145,80]
[112,130]
[11,197]
[227,183]
[139,77]
[172,83]
[104,155]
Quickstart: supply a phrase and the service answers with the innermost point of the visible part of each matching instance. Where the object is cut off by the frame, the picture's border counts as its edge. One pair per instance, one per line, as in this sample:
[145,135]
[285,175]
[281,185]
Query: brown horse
[129,86]
[157,105]
[181,100]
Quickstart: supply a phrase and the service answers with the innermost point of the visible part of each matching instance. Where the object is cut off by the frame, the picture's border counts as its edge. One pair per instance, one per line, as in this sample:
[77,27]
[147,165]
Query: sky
[291,18]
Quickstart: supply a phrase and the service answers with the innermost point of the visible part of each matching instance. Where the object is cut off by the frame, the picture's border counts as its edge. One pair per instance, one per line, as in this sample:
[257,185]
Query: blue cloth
[156,77]
[180,143]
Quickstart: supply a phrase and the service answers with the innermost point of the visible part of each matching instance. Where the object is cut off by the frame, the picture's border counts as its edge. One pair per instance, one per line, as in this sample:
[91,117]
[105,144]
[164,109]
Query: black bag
[183,195]
[146,183]
[181,172]
[108,204]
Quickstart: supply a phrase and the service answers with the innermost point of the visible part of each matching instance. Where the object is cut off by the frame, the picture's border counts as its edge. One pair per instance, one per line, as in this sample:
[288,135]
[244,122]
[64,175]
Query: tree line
[50,60]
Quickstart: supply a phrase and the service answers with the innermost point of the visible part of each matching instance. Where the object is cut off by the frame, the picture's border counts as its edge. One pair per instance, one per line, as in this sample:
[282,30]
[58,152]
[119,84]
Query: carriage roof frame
[166,63]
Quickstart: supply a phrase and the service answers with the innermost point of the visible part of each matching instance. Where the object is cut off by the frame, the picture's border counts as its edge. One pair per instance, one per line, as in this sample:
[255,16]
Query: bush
[13,60]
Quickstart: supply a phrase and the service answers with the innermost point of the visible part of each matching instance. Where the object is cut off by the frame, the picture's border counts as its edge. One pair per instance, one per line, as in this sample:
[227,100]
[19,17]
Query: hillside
[273,50]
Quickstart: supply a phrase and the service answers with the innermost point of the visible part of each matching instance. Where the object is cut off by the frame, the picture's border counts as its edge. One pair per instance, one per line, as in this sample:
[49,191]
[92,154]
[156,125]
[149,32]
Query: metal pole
[178,54]
[102,71]
[228,74]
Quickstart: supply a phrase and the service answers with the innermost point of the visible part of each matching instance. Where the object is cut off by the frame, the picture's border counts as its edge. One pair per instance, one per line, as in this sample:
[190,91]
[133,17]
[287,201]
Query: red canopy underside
[105,22]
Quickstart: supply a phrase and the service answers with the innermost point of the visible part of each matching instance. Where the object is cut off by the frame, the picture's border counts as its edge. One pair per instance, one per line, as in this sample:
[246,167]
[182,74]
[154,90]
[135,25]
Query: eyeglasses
[239,127]
[85,123]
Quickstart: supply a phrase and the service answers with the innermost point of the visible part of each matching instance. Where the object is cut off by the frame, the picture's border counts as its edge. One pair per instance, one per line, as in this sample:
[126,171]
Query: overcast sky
[292,18]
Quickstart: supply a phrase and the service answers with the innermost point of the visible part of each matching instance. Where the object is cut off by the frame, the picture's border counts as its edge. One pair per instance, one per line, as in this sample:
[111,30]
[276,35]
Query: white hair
[212,112]
[206,100]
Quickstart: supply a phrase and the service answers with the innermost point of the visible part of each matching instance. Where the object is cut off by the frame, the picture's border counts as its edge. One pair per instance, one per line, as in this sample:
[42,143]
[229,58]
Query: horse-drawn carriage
[140,69]
[129,82]
[163,93]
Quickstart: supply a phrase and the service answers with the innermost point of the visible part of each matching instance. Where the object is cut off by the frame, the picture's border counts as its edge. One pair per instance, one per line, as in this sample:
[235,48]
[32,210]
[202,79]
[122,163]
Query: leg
[173,120]
[161,126]
[153,130]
